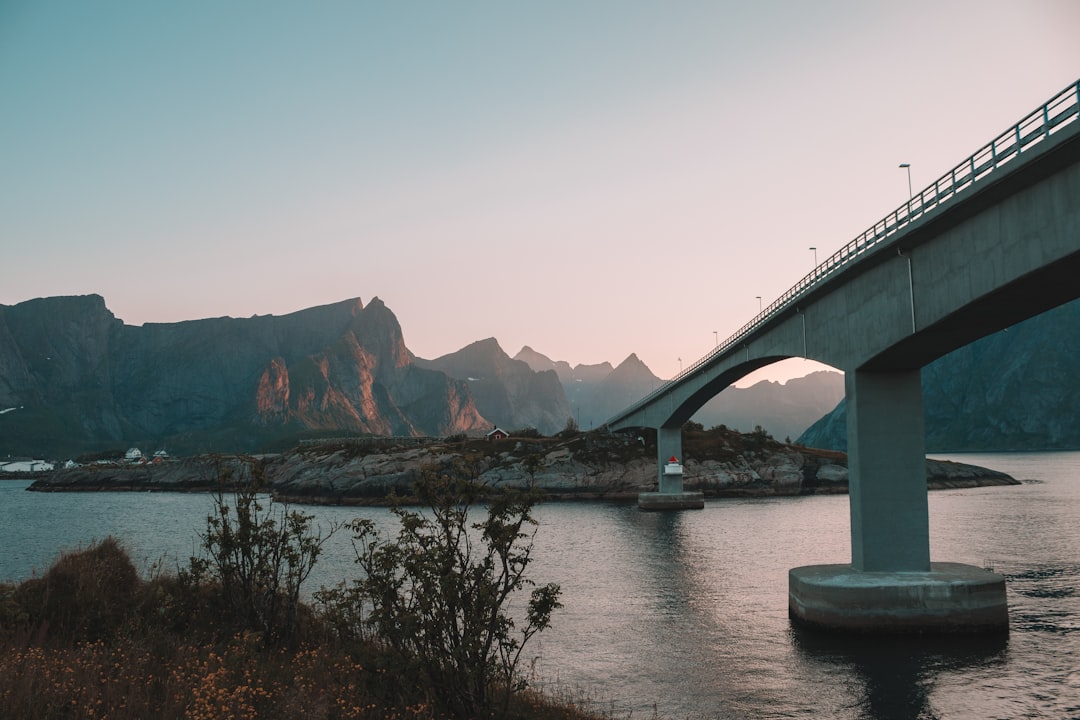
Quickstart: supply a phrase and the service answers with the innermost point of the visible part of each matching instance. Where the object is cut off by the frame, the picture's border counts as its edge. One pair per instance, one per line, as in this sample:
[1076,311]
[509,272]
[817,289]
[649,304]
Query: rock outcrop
[589,466]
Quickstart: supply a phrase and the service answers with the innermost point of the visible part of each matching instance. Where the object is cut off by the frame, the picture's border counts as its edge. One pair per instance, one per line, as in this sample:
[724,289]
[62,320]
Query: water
[686,613]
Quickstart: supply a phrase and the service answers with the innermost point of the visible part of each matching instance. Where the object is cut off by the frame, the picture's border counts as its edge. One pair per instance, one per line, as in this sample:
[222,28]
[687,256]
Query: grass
[92,639]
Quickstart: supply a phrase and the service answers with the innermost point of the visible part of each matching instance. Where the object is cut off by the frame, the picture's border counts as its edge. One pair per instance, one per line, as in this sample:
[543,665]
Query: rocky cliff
[508,392]
[75,378]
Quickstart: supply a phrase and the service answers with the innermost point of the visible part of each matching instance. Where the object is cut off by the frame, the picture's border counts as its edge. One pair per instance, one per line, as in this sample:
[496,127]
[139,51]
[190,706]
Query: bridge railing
[1061,110]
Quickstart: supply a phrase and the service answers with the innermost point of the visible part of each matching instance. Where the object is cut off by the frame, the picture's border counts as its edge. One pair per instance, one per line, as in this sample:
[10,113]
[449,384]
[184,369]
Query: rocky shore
[720,463]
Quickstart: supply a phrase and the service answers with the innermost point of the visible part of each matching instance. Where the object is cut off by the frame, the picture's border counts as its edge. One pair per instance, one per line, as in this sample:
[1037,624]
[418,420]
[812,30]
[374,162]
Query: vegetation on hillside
[598,446]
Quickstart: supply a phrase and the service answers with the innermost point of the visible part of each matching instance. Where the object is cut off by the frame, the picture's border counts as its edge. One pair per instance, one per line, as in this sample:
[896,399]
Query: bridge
[994,241]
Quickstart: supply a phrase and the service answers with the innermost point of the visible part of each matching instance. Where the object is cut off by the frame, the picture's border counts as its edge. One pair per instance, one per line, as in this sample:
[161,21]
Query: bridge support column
[670,494]
[890,522]
[891,585]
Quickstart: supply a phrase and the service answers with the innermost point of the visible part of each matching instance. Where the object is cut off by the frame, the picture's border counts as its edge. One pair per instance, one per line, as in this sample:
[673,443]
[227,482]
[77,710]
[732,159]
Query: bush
[12,615]
[114,455]
[526,432]
[571,429]
[441,592]
[86,594]
[259,556]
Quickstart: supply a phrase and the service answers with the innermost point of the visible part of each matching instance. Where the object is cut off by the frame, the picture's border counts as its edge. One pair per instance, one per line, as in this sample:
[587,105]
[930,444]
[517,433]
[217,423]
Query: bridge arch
[712,386]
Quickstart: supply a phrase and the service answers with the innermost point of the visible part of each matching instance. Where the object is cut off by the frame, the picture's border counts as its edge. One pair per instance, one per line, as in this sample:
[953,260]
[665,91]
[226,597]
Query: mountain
[74,378]
[630,381]
[539,363]
[1015,390]
[784,410]
[596,392]
[508,392]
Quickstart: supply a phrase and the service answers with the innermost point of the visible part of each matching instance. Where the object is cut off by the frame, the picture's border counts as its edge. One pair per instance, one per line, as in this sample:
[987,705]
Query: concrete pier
[670,494]
[671,501]
[949,598]
[891,586]
[890,519]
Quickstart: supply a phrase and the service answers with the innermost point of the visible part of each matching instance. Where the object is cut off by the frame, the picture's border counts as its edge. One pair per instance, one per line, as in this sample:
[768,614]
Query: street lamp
[716,336]
[907,166]
[680,366]
[814,249]
[758,303]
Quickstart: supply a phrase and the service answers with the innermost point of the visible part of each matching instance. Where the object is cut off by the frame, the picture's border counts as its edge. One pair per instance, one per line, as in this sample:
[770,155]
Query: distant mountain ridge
[75,379]
[507,391]
[785,410]
[597,392]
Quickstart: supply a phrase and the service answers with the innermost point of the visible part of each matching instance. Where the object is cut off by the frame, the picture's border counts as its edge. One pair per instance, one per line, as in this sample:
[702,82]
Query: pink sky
[591,179]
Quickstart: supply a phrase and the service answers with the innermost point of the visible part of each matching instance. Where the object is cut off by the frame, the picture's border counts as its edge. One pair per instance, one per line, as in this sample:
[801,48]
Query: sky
[592,178]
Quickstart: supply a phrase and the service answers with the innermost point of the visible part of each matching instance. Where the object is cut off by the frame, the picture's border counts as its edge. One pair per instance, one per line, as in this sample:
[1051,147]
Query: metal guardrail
[1060,111]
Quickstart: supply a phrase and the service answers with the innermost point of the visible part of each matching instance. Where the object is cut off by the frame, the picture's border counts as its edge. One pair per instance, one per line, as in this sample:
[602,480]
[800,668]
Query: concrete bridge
[994,241]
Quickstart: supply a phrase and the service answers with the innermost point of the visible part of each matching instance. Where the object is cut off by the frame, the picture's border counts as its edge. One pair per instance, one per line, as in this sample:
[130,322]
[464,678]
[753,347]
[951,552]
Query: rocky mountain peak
[378,331]
[632,369]
[507,391]
[540,362]
[592,373]
[537,361]
[481,359]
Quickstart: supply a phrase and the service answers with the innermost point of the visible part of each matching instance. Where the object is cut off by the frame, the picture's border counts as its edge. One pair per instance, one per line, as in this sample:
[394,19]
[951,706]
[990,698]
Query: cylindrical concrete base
[951,598]
[671,501]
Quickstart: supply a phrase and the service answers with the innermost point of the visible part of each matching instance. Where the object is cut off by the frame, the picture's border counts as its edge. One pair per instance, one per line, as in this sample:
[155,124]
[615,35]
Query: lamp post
[758,303]
[814,250]
[716,337]
[680,366]
[907,166]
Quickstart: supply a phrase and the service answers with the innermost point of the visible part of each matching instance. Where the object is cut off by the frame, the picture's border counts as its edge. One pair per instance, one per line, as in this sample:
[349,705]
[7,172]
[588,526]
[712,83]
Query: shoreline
[614,496]
[580,468]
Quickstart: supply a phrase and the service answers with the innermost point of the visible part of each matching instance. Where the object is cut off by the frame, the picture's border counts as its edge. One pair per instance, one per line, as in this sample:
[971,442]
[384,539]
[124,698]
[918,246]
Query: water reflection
[897,673]
[660,541]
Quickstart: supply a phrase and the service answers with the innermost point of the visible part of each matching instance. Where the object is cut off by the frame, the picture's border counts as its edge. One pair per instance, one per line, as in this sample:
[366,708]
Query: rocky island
[594,465]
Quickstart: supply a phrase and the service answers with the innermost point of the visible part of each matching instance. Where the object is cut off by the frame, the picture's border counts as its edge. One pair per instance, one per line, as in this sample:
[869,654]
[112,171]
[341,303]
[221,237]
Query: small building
[26,465]
[133,455]
[497,434]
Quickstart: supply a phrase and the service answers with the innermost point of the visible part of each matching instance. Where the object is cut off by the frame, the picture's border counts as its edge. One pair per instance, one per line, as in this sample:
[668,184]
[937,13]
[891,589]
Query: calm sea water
[685,614]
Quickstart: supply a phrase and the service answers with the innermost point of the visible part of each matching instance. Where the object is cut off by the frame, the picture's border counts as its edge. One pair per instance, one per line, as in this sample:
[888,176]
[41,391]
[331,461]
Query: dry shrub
[86,594]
